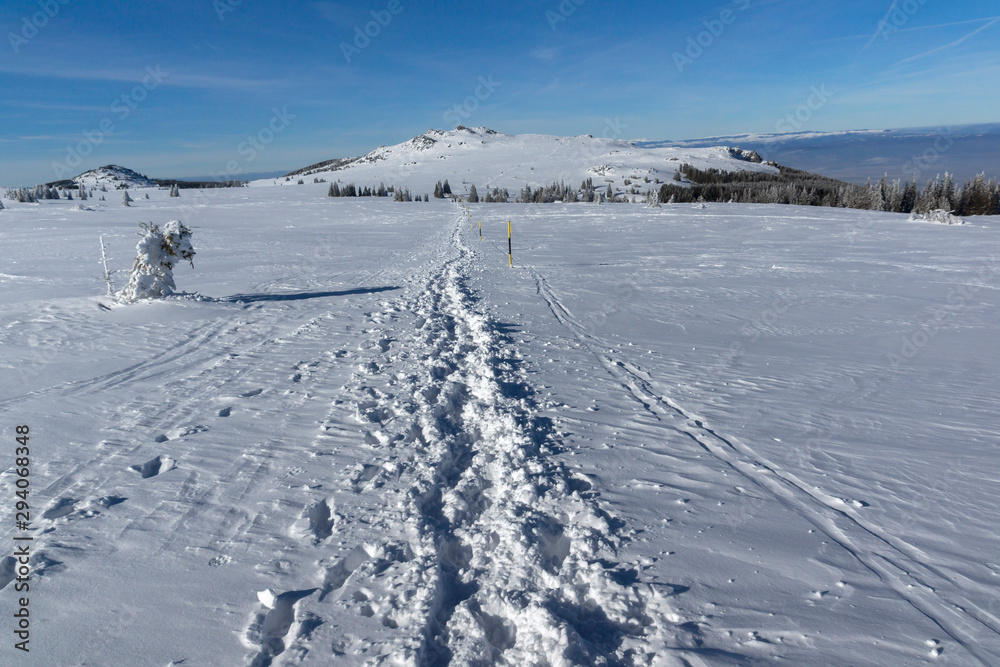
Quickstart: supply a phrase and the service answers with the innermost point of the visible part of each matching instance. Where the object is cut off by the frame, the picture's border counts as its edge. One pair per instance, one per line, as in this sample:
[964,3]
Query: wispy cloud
[340,15]
[21,104]
[545,54]
[885,19]
[949,24]
[950,45]
[169,76]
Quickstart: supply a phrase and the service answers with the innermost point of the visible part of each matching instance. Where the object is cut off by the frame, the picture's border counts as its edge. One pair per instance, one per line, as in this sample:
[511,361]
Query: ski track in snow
[937,594]
[501,555]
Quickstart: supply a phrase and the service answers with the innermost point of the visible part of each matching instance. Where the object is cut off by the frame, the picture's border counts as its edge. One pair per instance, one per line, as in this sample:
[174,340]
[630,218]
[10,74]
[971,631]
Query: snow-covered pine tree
[975,197]
[156,253]
[83,193]
[69,195]
[473,195]
[126,200]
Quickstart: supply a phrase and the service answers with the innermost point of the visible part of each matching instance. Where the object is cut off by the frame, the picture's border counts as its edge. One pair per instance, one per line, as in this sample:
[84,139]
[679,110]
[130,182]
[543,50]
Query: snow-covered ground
[721,435]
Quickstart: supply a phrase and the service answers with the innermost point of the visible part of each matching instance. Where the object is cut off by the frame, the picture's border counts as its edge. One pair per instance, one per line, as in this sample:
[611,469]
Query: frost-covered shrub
[156,253]
[939,216]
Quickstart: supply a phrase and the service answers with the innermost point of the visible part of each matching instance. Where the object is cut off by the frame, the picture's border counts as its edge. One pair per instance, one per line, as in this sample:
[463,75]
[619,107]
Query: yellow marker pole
[480,230]
[510,252]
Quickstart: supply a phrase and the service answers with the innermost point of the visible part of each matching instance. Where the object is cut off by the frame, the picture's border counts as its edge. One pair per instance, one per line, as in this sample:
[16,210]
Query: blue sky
[191,88]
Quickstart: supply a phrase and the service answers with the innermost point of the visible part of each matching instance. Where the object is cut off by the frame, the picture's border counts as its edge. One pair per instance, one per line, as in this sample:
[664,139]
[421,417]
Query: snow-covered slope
[731,435]
[114,176]
[486,158]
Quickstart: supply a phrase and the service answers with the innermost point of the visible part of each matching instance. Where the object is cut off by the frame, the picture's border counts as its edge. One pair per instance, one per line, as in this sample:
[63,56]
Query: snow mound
[939,216]
[114,176]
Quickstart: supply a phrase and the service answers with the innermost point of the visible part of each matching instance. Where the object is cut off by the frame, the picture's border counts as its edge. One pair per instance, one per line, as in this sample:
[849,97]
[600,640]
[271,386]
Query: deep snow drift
[721,435]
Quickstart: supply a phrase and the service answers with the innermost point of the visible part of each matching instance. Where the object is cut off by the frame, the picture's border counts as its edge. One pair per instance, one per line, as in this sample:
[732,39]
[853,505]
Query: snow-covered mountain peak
[114,176]
[482,156]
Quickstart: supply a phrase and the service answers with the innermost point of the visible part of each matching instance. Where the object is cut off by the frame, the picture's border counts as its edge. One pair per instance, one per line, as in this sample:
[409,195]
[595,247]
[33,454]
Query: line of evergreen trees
[33,195]
[40,192]
[442,190]
[494,196]
[556,192]
[792,186]
[352,190]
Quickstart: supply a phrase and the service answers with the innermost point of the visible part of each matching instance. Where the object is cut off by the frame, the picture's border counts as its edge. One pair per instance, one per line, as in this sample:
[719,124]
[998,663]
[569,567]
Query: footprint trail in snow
[499,555]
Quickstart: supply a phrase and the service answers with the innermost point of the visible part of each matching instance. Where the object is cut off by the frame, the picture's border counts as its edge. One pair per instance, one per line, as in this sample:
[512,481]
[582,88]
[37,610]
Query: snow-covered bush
[156,253]
[939,216]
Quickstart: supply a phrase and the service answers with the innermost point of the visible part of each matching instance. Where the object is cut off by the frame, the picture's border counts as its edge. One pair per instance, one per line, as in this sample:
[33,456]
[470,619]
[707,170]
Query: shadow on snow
[300,296]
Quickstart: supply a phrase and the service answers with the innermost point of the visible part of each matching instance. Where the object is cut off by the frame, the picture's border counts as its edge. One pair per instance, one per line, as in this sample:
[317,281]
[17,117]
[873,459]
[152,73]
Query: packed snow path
[505,557]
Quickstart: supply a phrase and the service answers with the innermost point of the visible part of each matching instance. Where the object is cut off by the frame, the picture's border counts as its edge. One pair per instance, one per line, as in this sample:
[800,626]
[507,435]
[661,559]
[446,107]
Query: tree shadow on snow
[301,296]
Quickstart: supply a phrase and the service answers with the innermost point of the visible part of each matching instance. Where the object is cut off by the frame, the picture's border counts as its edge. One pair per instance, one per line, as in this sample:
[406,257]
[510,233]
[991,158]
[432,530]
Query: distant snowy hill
[489,159]
[114,176]
[857,155]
